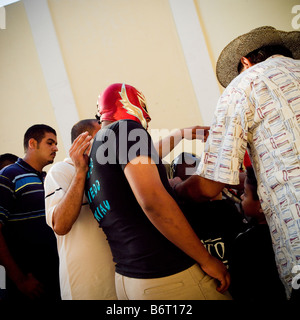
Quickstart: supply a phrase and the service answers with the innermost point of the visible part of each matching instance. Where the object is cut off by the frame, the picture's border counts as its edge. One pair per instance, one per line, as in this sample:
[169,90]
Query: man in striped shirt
[27,245]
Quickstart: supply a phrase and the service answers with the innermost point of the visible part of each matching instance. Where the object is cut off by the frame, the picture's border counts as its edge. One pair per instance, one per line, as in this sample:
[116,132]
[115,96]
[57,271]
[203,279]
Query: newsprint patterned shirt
[261,109]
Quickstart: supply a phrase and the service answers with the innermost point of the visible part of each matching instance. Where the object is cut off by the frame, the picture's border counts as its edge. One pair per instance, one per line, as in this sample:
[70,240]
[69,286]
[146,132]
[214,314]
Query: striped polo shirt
[22,193]
[31,242]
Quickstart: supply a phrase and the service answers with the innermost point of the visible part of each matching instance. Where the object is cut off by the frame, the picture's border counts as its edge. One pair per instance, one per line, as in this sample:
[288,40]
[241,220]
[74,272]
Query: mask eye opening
[98,117]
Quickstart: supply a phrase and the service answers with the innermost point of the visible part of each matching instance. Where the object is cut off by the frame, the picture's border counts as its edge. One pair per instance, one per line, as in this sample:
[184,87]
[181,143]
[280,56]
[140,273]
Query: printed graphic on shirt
[216,247]
[103,207]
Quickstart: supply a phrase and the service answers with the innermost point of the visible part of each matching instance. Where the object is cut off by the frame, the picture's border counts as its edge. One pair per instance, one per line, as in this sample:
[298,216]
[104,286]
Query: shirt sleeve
[56,184]
[224,151]
[6,199]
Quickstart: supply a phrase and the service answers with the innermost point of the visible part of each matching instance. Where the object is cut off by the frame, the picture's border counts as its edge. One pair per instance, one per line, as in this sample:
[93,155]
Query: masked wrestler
[157,254]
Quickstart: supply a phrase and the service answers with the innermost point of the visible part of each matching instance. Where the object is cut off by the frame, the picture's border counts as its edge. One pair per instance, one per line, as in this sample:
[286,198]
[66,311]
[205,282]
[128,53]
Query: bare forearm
[166,216]
[174,226]
[198,189]
[66,212]
[162,210]
[165,145]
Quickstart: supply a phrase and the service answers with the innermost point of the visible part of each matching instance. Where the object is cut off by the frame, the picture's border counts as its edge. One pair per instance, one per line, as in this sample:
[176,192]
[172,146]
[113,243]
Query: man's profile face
[47,148]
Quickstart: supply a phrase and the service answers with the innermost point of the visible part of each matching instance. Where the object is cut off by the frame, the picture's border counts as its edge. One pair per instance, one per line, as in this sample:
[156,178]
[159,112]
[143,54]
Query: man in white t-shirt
[86,264]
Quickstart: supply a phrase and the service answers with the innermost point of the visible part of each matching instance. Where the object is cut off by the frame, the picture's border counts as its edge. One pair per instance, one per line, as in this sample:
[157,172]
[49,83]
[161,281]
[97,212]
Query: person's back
[139,249]
[252,262]
[155,249]
[253,269]
[272,109]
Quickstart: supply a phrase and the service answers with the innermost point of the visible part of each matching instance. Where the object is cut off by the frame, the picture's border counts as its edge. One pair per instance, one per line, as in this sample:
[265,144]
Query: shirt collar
[29,168]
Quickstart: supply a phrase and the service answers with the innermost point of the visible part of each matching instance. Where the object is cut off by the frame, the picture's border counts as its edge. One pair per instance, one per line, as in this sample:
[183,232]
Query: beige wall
[106,41]
[24,99]
[223,20]
[131,41]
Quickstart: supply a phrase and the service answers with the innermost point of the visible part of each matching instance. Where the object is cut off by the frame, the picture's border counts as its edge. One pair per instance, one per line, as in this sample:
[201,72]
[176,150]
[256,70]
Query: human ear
[32,143]
[246,63]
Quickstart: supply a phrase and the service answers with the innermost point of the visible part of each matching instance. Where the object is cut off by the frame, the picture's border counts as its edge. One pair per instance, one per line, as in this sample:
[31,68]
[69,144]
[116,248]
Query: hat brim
[227,64]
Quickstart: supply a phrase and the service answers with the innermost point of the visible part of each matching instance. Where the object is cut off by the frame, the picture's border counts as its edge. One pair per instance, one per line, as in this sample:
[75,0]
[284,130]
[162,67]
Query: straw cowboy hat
[227,64]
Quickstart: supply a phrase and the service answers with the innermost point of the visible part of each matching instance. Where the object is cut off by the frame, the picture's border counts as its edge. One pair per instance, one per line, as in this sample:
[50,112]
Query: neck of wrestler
[106,123]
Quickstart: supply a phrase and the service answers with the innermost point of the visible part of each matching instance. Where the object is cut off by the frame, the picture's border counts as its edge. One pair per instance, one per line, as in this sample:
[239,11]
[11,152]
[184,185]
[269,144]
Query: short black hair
[6,159]
[252,182]
[182,162]
[82,126]
[263,53]
[36,132]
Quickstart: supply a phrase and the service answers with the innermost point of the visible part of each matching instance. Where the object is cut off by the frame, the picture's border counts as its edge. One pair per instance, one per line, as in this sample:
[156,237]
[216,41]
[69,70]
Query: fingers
[37,287]
[216,269]
[80,144]
[196,132]
[201,133]
[173,182]
[224,283]
[88,149]
[31,287]
[81,139]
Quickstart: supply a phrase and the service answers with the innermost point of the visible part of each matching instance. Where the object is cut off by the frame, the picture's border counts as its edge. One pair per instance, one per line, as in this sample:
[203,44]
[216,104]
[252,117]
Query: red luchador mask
[122,101]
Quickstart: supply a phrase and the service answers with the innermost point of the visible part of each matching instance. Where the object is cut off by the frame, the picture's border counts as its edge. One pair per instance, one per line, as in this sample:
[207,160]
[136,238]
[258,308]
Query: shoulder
[10,172]
[67,164]
[61,170]
[123,126]
[120,130]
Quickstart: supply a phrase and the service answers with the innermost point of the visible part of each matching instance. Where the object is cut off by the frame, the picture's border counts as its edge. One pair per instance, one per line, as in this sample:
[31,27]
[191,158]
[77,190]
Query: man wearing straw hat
[259,109]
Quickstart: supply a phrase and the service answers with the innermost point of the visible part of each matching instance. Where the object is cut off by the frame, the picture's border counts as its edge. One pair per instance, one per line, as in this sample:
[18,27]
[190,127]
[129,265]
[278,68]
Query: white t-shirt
[86,266]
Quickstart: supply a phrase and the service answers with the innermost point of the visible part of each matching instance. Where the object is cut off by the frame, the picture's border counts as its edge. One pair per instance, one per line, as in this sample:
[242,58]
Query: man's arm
[167,144]
[67,210]
[166,216]
[196,188]
[26,283]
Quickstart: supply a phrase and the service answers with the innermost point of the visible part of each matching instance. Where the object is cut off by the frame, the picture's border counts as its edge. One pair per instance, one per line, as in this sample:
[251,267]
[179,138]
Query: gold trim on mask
[132,109]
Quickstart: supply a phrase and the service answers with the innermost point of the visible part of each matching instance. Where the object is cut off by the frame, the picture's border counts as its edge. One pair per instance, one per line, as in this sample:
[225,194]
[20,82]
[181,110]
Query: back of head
[122,101]
[36,132]
[83,126]
[263,53]
[184,165]
[266,39]
[7,159]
